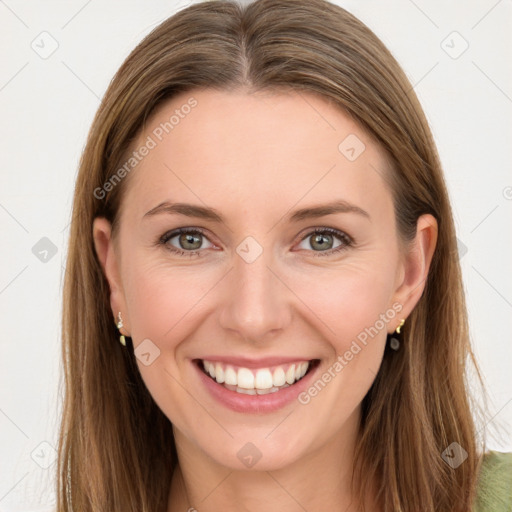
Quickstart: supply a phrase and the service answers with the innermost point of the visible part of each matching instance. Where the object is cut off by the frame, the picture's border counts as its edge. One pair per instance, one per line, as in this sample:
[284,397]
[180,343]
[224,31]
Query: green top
[495,483]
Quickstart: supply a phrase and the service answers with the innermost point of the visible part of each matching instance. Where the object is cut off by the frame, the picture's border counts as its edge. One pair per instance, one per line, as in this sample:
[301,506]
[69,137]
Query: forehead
[234,149]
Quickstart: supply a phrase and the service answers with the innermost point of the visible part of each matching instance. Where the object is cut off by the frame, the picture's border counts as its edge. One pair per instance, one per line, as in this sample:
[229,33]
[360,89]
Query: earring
[119,326]
[394,342]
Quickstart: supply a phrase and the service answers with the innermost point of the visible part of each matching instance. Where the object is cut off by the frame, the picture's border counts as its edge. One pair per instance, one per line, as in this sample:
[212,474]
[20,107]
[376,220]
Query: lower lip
[240,402]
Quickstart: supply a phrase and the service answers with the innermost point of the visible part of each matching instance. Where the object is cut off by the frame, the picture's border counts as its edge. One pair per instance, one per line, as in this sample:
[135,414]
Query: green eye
[189,240]
[322,241]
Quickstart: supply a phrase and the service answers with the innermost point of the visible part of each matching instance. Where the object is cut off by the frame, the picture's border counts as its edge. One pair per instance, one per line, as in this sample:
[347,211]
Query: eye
[185,241]
[189,241]
[322,241]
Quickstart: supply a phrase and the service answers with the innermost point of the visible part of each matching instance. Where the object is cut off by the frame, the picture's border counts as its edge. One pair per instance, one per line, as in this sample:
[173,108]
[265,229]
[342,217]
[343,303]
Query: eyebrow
[201,212]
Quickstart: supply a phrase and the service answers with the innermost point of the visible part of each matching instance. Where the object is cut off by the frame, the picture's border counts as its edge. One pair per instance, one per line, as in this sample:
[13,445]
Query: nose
[257,302]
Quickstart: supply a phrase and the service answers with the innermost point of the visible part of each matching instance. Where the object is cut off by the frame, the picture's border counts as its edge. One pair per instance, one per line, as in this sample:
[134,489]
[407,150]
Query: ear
[413,273]
[106,252]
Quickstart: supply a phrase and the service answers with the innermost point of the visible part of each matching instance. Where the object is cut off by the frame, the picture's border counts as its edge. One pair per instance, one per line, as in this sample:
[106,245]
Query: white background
[47,106]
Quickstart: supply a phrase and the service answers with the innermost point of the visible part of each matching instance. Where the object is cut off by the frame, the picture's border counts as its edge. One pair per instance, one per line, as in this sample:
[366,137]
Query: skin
[256,158]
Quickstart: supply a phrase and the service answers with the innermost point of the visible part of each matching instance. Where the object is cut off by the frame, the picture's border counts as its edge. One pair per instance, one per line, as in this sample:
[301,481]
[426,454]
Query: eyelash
[346,240]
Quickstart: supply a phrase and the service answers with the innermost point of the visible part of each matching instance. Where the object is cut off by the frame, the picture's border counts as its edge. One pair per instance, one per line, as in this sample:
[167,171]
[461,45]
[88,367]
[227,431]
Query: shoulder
[494,492]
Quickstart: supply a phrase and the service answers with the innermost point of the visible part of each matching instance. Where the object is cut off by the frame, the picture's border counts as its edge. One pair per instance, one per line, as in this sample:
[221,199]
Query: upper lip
[255,363]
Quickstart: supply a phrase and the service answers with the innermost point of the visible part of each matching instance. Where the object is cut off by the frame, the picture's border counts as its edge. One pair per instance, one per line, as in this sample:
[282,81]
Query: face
[259,312]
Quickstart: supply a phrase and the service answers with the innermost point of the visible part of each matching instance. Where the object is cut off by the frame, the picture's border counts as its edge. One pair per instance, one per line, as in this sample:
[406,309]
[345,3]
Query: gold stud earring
[119,326]
[394,342]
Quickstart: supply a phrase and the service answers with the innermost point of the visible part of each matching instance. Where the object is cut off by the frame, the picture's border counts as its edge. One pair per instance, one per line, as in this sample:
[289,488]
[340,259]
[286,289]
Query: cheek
[164,306]
[350,299]
[163,300]
[354,307]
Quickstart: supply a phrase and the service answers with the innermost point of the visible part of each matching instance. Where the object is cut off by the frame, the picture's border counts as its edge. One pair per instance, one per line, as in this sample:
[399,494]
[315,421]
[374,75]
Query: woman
[263,302]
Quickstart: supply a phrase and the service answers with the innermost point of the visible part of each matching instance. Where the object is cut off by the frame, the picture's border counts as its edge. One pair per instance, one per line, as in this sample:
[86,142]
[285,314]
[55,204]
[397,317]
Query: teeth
[246,391]
[252,382]
[279,377]
[290,374]
[273,389]
[245,378]
[219,373]
[263,379]
[230,376]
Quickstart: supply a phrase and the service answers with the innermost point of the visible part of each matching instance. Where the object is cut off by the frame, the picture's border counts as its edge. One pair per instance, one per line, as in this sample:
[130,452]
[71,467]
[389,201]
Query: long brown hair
[116,449]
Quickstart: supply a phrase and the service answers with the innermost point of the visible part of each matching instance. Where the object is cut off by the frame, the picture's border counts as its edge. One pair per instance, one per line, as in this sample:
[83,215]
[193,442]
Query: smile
[256,381]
